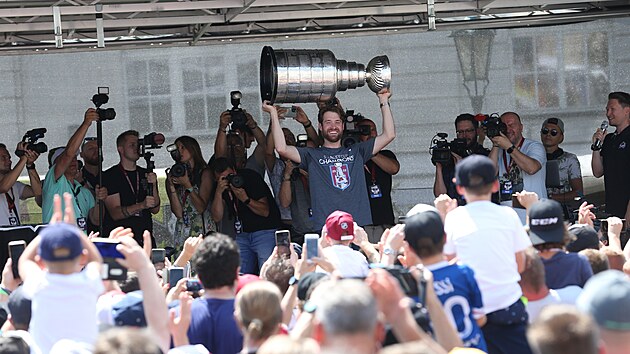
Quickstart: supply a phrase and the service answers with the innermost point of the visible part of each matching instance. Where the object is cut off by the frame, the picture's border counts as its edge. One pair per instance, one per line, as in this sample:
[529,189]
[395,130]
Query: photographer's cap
[555,121]
[606,296]
[424,221]
[53,154]
[546,222]
[60,242]
[340,226]
[475,171]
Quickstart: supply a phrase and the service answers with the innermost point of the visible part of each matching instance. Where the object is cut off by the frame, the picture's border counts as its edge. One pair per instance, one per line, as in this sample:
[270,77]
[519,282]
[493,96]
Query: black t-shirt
[131,191]
[256,189]
[381,207]
[616,159]
[448,173]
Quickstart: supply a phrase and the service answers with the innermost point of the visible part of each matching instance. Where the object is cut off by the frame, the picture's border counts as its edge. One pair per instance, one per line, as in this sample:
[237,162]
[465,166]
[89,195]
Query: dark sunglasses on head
[546,131]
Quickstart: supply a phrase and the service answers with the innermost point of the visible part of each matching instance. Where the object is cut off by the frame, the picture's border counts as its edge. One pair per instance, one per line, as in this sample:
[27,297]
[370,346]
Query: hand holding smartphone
[16,248]
[283,242]
[312,246]
[111,269]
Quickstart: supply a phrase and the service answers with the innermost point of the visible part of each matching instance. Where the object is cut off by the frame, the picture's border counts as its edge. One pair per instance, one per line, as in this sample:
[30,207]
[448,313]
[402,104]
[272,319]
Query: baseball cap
[475,171]
[606,296]
[585,237]
[129,310]
[546,223]
[60,242]
[53,154]
[307,282]
[424,222]
[340,226]
[556,121]
[245,279]
[19,307]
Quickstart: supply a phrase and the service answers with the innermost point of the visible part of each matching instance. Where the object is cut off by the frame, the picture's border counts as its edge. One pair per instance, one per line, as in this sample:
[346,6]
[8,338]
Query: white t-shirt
[535,182]
[63,307]
[348,262]
[485,236]
[566,295]
[5,212]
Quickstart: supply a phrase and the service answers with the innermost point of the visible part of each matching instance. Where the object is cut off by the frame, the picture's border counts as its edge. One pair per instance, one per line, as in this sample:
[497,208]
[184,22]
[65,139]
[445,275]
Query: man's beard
[90,161]
[331,139]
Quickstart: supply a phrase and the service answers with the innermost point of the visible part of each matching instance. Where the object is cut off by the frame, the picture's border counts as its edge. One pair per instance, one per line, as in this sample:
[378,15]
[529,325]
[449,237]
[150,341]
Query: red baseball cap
[340,226]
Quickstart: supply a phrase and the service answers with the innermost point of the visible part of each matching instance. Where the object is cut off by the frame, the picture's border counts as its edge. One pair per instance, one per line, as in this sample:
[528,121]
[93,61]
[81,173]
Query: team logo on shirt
[340,175]
[622,145]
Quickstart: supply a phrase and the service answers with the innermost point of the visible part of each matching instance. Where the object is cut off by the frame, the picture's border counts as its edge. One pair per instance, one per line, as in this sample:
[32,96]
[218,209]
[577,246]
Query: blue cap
[60,242]
[606,296]
[129,311]
[475,171]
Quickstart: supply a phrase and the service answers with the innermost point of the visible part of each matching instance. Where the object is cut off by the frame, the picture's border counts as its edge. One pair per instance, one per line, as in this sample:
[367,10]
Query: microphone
[597,145]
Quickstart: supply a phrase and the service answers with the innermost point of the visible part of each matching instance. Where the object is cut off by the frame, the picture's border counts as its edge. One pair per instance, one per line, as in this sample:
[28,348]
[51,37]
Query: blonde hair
[258,310]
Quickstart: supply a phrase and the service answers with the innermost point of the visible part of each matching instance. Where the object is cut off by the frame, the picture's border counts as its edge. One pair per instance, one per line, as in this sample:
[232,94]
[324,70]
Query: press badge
[375,191]
[82,223]
[506,190]
[238,227]
[13,221]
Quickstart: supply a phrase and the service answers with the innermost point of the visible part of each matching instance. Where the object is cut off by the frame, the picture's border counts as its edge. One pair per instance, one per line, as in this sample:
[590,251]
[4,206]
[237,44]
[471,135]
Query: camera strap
[507,166]
[134,191]
[12,206]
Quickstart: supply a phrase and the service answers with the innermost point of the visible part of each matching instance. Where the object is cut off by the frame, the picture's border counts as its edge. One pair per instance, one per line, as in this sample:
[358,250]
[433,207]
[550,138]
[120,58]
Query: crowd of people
[498,264]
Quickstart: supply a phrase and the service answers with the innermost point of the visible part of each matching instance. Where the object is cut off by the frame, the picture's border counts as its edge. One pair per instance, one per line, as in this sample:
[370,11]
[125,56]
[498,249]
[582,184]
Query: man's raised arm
[389,131]
[286,151]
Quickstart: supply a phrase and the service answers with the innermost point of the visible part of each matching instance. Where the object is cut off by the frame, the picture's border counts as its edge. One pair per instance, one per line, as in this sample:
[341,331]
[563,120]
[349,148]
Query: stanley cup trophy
[304,75]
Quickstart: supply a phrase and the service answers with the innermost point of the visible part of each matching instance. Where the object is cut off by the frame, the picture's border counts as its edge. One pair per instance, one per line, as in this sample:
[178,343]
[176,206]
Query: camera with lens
[492,124]
[150,141]
[235,180]
[179,169]
[442,148]
[31,138]
[101,98]
[239,119]
[352,131]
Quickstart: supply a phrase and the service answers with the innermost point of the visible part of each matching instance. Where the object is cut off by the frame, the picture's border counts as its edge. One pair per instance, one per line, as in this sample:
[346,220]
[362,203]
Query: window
[149,89]
[204,92]
[560,71]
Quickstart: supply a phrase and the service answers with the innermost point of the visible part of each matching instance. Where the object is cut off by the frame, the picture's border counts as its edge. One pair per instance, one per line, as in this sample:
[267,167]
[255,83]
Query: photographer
[378,178]
[466,128]
[249,132]
[89,154]
[243,207]
[289,184]
[11,189]
[189,193]
[128,204]
[336,180]
[521,162]
[61,178]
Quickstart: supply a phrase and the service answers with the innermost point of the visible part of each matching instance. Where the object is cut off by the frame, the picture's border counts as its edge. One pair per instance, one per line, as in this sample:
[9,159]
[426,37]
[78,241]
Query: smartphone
[107,247]
[112,270]
[406,280]
[158,255]
[401,219]
[604,226]
[174,275]
[16,248]
[283,242]
[193,285]
[516,203]
[312,241]
[291,112]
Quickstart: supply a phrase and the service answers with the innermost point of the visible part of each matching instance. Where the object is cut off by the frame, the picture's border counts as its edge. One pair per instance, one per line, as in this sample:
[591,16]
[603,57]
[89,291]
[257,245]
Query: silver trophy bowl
[305,75]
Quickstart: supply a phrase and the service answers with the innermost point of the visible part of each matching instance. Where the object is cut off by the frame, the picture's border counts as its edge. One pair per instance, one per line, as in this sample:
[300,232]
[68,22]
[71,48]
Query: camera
[31,138]
[442,148]
[235,180]
[150,141]
[302,139]
[100,99]
[352,131]
[492,124]
[179,170]
[239,119]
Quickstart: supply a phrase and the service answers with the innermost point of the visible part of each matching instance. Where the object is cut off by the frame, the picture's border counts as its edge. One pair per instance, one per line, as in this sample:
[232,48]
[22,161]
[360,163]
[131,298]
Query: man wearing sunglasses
[551,136]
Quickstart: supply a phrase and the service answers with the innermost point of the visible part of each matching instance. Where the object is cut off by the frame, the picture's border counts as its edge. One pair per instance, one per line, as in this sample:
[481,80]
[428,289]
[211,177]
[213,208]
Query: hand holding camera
[224,120]
[501,141]
[240,193]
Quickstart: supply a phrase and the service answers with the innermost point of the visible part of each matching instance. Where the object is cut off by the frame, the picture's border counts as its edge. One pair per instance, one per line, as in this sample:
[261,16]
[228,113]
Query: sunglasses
[546,131]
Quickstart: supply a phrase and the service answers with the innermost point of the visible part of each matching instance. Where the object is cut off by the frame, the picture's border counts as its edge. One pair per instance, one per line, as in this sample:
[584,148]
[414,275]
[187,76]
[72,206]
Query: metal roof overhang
[28,25]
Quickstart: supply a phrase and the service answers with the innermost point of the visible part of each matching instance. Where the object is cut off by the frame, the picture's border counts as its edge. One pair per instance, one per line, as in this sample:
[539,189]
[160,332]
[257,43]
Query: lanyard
[235,203]
[134,191]
[371,171]
[505,164]
[11,203]
[76,190]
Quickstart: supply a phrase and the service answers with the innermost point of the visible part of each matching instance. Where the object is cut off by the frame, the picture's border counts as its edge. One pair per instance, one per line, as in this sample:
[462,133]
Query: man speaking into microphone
[611,155]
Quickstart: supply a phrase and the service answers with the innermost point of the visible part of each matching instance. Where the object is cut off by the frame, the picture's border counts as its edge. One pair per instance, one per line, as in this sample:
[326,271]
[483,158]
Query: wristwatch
[510,150]
[293,280]
[389,251]
[247,201]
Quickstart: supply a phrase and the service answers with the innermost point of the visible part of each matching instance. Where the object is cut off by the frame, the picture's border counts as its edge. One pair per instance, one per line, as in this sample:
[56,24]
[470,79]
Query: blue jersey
[457,289]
